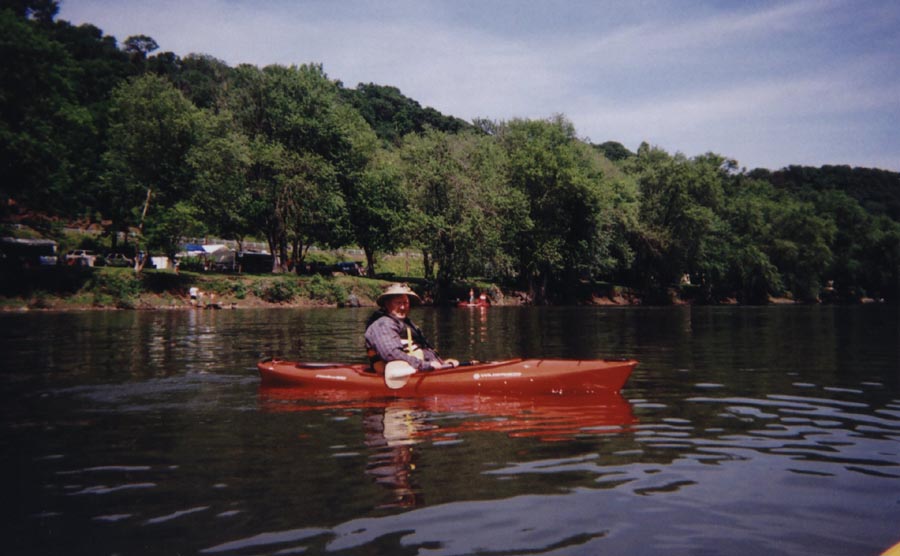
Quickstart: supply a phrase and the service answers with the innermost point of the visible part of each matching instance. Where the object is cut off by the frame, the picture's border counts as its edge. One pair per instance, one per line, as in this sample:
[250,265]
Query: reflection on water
[393,426]
[743,431]
[390,435]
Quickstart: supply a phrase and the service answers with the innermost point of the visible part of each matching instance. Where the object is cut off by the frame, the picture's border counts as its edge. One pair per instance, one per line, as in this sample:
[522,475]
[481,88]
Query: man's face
[397,305]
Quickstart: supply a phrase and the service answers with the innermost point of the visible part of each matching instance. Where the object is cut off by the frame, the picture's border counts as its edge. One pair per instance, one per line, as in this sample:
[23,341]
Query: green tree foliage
[880,276]
[222,162]
[42,124]
[152,129]
[613,150]
[878,191]
[165,232]
[99,62]
[296,200]
[462,215]
[393,115]
[571,217]
[203,80]
[752,207]
[378,209]
[862,207]
[140,46]
[681,200]
[312,150]
[41,11]
[801,249]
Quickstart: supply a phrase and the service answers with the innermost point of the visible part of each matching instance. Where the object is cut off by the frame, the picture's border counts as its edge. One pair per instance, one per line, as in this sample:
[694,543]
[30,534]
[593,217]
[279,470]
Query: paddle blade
[397,373]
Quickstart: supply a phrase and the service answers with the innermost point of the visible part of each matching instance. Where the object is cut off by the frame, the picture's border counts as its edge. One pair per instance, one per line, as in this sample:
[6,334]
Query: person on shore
[391,335]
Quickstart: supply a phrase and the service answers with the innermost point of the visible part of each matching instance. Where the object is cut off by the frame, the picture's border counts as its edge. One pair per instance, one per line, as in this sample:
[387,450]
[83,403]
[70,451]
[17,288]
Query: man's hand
[446,363]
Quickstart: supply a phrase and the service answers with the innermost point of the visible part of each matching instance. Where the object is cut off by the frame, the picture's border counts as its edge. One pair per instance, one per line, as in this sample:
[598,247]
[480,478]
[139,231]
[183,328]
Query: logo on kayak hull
[479,376]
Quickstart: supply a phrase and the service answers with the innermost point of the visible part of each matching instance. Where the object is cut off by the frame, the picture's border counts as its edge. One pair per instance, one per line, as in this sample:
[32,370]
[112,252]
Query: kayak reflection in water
[392,336]
[390,434]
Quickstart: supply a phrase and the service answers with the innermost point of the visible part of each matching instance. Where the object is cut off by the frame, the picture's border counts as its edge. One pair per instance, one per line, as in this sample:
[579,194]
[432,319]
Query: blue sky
[768,83]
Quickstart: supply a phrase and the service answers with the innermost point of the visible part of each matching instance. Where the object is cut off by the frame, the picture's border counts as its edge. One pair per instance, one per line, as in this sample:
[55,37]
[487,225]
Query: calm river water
[743,431]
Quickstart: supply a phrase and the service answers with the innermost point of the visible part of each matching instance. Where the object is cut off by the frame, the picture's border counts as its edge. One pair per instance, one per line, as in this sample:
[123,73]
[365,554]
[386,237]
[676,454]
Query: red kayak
[516,376]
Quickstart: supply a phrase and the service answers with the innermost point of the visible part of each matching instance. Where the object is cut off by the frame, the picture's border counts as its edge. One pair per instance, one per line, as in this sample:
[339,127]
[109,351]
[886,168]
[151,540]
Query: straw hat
[398,289]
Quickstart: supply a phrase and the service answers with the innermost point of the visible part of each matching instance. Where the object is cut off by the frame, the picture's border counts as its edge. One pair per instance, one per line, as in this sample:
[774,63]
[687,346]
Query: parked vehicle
[252,262]
[84,257]
[350,268]
[27,253]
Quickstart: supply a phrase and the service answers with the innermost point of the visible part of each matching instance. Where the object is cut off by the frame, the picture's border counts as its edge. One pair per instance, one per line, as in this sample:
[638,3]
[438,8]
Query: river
[743,431]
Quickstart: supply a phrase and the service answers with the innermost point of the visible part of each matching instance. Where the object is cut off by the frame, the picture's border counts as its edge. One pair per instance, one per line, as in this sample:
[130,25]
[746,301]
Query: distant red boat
[516,376]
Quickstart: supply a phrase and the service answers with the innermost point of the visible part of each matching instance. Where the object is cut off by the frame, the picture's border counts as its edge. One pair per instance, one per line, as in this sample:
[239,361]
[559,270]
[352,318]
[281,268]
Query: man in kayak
[391,335]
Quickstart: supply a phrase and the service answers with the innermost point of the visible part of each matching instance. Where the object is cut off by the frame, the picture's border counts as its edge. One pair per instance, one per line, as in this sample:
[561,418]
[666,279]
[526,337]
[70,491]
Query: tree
[222,161]
[683,232]
[168,229]
[140,46]
[462,214]
[877,191]
[311,150]
[41,11]
[880,274]
[571,219]
[152,129]
[801,249]
[377,207]
[42,125]
[614,150]
[393,115]
[751,207]
[203,79]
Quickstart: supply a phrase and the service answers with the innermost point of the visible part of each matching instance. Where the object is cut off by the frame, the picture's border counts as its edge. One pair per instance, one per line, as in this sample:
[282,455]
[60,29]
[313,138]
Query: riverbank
[104,288]
[73,288]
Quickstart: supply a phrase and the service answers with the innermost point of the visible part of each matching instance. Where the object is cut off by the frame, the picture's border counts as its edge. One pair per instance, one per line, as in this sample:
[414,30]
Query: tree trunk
[370,261]
[139,261]
[273,248]
[428,265]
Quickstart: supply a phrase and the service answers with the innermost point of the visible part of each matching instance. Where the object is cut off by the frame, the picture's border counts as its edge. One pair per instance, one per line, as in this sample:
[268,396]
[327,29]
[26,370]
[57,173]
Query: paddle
[397,373]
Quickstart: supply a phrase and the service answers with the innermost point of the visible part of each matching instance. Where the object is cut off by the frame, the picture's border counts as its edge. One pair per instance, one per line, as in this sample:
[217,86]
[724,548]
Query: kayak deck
[515,376]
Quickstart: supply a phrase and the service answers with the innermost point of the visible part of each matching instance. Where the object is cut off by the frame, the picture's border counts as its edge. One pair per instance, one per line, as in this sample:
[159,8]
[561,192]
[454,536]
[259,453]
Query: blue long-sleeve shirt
[387,337]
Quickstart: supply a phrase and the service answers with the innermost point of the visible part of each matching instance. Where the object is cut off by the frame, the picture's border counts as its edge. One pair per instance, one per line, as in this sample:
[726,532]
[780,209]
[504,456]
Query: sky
[766,83]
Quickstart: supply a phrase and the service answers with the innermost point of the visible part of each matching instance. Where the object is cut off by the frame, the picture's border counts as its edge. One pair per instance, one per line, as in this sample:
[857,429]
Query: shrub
[370,288]
[114,288]
[325,289]
[239,290]
[281,291]
[192,264]
[41,300]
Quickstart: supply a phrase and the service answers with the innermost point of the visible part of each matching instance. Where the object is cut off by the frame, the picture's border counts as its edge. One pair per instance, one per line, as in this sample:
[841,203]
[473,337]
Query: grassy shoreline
[106,288]
[66,288]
